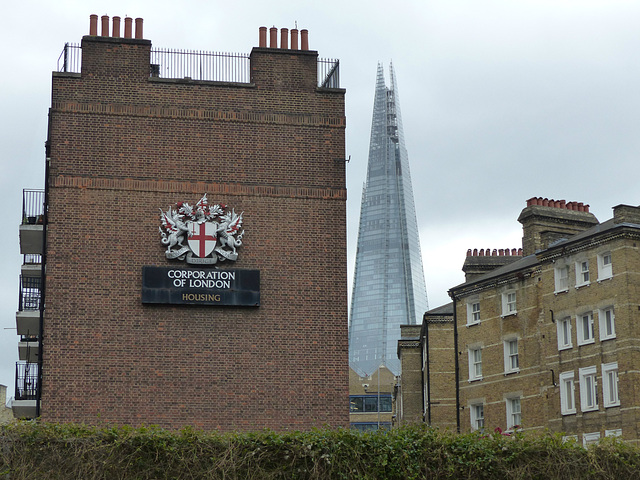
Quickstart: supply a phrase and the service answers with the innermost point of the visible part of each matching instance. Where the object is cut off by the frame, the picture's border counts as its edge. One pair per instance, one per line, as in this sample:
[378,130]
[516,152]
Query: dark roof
[442,310]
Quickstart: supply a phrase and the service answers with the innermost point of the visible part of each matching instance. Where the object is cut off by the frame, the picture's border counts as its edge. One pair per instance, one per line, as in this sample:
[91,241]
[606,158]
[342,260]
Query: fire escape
[30,306]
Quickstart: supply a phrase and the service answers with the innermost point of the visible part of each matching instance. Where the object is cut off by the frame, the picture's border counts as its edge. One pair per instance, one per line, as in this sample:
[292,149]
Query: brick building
[549,339]
[371,405]
[128,138]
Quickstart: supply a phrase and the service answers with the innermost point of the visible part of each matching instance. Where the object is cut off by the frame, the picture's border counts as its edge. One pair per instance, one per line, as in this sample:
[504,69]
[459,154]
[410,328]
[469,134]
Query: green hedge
[31,450]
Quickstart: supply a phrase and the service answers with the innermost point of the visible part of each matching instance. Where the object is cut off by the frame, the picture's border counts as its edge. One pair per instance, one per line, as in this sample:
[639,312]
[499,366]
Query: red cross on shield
[203,238]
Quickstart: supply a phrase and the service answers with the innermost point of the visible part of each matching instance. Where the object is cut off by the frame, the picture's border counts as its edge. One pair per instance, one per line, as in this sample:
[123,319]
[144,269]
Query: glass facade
[388,286]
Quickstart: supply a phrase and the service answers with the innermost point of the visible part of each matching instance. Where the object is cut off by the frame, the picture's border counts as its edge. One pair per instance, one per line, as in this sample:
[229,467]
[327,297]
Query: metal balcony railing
[32,207]
[30,293]
[70,60]
[200,65]
[26,381]
[328,73]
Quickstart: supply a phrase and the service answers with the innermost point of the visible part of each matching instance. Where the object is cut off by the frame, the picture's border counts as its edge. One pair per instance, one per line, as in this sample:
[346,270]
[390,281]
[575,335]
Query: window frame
[610,385]
[507,304]
[590,438]
[605,270]
[580,274]
[383,399]
[567,393]
[512,414]
[561,282]
[580,329]
[471,313]
[602,323]
[588,388]
[474,362]
[561,333]
[474,418]
[614,432]
[509,355]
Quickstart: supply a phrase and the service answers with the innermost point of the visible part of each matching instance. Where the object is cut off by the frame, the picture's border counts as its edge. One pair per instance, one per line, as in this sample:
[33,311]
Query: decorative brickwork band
[130,184]
[216,115]
[546,202]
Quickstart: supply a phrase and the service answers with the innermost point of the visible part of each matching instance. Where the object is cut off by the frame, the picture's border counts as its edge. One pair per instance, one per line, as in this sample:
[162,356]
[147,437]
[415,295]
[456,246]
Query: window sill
[565,347]
[590,409]
[472,324]
[510,372]
[604,339]
[578,287]
[510,314]
[569,412]
[617,404]
[564,290]
[587,342]
[600,280]
[471,380]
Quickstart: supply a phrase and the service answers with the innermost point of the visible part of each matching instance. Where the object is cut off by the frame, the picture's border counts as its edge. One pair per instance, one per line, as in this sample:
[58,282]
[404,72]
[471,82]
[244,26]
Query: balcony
[26,394]
[28,349]
[28,315]
[31,229]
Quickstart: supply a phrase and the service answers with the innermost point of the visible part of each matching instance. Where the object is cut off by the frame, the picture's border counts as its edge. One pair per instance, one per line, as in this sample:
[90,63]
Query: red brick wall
[124,145]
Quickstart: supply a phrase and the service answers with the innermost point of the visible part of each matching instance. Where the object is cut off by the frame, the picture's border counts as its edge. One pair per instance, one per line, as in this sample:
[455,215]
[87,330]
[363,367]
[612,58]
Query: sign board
[201,286]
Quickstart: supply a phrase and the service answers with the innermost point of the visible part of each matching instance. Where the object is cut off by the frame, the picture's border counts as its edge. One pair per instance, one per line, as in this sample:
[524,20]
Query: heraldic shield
[202,238]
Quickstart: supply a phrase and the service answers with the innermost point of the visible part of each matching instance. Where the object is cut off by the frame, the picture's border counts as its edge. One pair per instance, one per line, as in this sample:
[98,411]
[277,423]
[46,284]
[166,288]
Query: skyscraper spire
[388,286]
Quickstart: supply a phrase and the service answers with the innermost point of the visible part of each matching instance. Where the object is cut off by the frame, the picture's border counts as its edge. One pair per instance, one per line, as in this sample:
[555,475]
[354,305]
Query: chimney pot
[263,37]
[116,27]
[475,252]
[93,25]
[294,39]
[105,26]
[128,22]
[139,34]
[469,252]
[284,38]
[273,37]
[304,39]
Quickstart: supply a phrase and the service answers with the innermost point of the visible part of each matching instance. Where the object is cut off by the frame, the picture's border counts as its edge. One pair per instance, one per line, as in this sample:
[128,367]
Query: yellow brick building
[549,338]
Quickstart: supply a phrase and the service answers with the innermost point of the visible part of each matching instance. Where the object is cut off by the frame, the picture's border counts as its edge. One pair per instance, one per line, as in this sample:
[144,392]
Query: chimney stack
[128,27]
[93,25]
[128,24]
[139,35]
[105,26]
[303,44]
[116,27]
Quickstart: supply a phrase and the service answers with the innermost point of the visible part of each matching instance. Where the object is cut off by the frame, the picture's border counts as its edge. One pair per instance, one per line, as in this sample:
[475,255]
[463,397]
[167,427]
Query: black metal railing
[70,60]
[328,73]
[30,293]
[26,381]
[32,206]
[200,65]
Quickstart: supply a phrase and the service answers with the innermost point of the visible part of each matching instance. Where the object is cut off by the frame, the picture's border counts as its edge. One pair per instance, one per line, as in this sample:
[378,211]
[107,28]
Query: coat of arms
[212,232]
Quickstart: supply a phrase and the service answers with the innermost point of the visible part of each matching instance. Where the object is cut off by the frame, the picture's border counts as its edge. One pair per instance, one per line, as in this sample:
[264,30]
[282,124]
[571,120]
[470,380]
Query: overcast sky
[501,101]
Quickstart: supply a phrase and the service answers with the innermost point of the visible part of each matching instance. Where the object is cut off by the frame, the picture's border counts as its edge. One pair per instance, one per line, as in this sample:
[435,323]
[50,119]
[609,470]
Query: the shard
[388,286]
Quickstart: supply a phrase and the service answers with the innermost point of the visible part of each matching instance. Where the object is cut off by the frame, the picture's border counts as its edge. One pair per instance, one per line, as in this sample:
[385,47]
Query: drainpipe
[43,263]
[456,362]
[426,342]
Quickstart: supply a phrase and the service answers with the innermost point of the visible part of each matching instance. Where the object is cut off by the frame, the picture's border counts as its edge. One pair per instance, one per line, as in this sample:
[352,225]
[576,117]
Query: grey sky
[501,101]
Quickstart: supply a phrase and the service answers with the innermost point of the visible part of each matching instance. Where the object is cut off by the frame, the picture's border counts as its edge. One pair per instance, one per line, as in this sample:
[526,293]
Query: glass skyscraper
[388,286]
